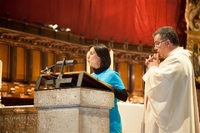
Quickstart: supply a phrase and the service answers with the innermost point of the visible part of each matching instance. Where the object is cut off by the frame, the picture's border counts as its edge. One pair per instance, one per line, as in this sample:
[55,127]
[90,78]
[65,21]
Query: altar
[131,115]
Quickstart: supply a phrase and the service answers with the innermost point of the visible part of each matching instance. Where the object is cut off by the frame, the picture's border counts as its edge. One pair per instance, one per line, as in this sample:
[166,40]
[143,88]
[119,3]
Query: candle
[112,58]
[87,65]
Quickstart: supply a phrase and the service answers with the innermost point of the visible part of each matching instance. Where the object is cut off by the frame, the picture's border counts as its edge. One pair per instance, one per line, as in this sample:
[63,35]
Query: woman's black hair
[103,52]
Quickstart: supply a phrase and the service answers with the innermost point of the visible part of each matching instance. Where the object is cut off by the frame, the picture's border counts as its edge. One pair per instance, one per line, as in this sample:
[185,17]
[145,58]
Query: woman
[99,58]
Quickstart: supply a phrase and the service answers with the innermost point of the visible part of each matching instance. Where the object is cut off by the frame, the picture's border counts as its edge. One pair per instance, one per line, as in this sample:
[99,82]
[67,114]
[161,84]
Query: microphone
[60,63]
[47,68]
[66,62]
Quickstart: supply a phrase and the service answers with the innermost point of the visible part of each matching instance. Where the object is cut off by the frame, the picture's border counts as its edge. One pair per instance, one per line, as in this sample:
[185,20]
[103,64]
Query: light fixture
[67,30]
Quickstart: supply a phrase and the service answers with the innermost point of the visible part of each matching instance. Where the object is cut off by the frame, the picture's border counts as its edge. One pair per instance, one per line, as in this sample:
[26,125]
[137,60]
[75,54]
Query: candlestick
[87,66]
[111,58]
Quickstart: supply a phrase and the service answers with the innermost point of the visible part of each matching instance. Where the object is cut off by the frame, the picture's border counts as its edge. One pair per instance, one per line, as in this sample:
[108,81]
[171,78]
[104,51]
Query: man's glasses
[158,43]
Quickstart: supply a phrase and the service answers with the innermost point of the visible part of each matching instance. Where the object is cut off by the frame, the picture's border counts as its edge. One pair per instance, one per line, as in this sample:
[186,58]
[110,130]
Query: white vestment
[171,104]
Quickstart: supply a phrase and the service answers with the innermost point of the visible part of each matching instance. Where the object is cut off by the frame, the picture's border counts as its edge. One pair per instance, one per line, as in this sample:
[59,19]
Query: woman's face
[93,59]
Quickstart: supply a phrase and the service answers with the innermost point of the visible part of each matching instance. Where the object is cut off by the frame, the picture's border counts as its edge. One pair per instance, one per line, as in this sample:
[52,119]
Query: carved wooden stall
[27,49]
[192,16]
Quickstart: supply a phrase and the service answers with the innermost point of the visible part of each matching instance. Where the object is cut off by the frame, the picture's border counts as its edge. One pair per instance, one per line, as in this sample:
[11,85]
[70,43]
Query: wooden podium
[78,103]
[70,79]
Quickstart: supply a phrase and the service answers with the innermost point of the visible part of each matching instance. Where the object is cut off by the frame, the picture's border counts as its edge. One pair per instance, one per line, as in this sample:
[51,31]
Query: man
[170,92]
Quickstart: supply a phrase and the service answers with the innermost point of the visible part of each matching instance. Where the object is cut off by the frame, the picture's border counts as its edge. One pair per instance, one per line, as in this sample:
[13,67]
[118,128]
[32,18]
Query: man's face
[160,46]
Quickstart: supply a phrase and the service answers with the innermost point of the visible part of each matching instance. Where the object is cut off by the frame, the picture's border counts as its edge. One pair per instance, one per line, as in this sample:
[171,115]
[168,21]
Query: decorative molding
[192,15]
[38,37]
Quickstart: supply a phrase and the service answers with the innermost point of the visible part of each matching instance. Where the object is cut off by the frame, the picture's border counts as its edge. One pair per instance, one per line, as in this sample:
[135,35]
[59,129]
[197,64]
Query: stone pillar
[73,110]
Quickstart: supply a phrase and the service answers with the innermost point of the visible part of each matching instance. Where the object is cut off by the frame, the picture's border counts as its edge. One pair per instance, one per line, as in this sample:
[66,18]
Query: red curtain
[134,20]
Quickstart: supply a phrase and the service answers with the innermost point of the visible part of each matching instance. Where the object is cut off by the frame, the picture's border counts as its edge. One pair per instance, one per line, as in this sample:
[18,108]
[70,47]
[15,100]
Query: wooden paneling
[51,58]
[25,55]
[136,91]
[27,64]
[20,64]
[4,57]
[81,66]
[124,72]
[36,64]
[138,82]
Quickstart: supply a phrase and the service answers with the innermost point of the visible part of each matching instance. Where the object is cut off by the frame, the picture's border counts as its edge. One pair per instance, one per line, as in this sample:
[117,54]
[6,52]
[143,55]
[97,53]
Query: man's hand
[152,61]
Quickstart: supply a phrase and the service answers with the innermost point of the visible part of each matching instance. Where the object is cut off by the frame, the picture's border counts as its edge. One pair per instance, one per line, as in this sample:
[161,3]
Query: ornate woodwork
[27,49]
[18,120]
[192,16]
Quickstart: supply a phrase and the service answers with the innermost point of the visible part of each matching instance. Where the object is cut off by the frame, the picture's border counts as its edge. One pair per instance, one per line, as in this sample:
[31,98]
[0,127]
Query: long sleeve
[121,94]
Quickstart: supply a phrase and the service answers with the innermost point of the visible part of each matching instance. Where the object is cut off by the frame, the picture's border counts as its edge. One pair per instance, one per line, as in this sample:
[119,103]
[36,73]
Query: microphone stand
[61,69]
[53,80]
[60,78]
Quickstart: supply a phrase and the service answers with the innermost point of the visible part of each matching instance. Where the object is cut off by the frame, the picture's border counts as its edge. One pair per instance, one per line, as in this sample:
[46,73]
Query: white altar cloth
[131,115]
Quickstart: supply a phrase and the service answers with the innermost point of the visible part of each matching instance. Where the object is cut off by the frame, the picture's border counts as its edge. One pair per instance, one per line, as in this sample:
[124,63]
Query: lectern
[75,103]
